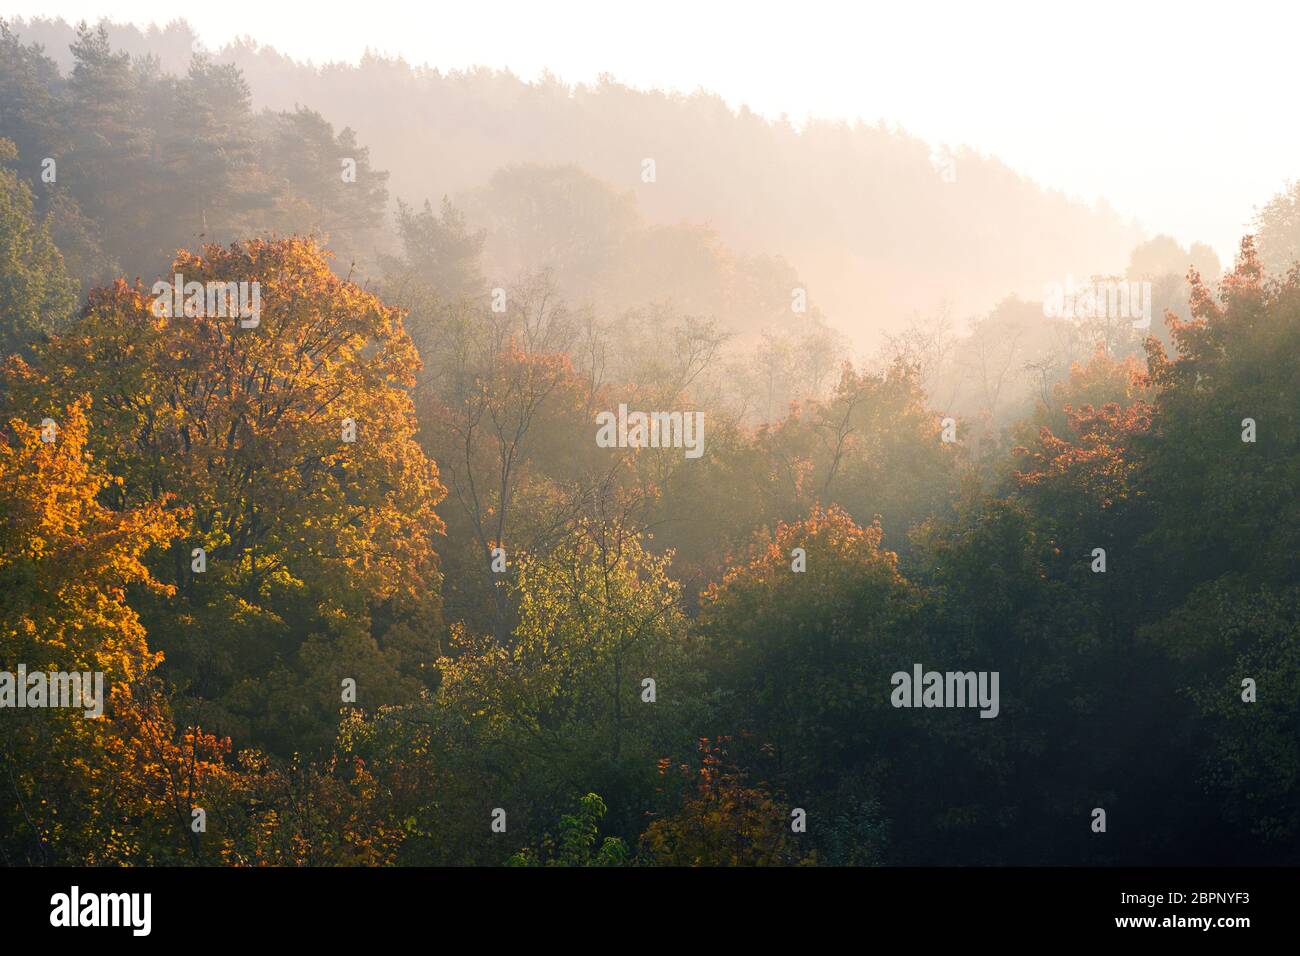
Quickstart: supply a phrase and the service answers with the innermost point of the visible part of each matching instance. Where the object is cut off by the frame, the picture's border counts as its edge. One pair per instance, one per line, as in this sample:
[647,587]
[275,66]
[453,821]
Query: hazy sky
[1179,114]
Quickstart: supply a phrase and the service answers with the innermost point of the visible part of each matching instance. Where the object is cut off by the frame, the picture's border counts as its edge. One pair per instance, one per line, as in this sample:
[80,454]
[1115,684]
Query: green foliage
[1250,752]
[1277,228]
[796,653]
[36,293]
[575,841]
[148,162]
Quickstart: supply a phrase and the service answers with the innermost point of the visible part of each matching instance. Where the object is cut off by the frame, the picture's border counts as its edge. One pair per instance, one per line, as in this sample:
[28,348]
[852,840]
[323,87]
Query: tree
[36,293]
[793,653]
[727,821]
[108,165]
[322,182]
[319,563]
[1163,256]
[871,447]
[575,842]
[1277,230]
[561,706]
[440,260]
[209,181]
[554,217]
[503,397]
[66,562]
[29,88]
[1230,365]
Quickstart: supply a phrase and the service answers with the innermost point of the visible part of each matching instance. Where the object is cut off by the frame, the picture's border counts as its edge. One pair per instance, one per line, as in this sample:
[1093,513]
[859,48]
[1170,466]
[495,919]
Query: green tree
[560,705]
[108,167]
[575,841]
[36,293]
[1277,230]
[801,659]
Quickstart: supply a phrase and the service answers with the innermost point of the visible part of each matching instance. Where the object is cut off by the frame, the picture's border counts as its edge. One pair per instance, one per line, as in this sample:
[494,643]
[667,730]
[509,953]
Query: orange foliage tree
[318,559]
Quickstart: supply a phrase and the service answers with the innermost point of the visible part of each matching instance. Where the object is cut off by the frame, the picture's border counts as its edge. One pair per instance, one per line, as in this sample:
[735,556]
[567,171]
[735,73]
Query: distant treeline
[864,212]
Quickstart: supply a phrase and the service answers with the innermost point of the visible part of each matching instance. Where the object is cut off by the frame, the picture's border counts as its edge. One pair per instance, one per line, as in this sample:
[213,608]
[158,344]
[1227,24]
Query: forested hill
[878,223]
[382,519]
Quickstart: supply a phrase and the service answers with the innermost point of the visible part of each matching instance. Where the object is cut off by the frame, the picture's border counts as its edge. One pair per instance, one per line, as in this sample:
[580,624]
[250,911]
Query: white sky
[1182,115]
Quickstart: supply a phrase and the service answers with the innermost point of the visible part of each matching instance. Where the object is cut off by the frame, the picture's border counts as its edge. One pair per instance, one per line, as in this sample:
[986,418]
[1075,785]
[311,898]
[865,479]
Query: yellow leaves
[64,544]
[241,425]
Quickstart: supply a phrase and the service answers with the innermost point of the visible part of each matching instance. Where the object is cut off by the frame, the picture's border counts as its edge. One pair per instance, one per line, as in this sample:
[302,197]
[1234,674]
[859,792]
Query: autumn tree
[872,447]
[725,819]
[306,556]
[1225,526]
[66,563]
[802,658]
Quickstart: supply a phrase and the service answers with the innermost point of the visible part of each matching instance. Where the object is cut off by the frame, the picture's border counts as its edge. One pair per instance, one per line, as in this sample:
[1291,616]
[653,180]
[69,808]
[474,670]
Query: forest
[503,476]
